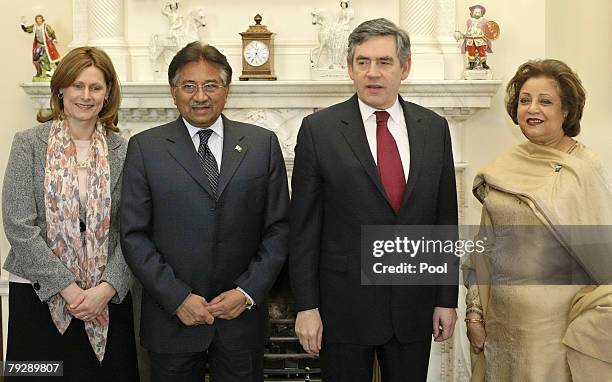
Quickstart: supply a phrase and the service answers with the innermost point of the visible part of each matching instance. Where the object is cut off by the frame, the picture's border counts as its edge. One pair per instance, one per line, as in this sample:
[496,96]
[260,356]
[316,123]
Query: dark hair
[375,28]
[67,72]
[570,88]
[194,52]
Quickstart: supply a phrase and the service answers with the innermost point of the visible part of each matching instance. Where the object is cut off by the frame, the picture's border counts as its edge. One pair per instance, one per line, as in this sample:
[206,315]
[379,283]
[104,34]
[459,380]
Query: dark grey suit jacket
[25,225]
[337,190]
[178,239]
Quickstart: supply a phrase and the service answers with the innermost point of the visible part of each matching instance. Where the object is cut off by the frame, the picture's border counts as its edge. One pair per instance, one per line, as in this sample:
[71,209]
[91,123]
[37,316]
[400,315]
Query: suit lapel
[234,150]
[354,132]
[115,162]
[180,147]
[43,137]
[416,138]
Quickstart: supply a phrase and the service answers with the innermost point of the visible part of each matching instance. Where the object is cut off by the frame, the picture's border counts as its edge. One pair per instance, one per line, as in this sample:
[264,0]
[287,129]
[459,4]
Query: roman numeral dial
[256,53]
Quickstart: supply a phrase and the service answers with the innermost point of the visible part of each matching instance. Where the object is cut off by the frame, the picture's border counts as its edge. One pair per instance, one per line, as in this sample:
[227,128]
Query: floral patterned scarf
[86,258]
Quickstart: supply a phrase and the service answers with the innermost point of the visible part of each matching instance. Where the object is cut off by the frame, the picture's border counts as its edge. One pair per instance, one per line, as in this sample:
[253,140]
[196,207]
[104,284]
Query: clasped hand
[195,310]
[89,304]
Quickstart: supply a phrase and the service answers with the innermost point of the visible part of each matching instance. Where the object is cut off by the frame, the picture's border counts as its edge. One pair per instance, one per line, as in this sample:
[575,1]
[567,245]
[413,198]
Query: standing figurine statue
[342,29]
[44,53]
[477,40]
[333,37]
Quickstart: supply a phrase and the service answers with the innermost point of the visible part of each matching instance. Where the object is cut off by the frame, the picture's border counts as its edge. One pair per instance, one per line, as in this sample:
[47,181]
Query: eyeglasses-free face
[540,111]
[377,72]
[200,108]
[84,98]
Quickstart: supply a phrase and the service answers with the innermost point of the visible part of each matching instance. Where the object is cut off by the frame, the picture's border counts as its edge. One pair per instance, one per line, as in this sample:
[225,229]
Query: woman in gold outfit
[540,200]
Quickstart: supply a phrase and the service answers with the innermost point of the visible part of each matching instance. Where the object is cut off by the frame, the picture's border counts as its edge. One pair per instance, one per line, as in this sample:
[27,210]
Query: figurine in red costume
[44,52]
[475,39]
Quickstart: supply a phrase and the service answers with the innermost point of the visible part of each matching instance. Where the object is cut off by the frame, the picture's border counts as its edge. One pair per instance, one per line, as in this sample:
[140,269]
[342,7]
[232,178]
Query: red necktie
[389,162]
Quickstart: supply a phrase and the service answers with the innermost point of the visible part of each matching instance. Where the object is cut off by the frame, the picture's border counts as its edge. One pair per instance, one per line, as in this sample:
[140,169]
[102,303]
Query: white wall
[580,33]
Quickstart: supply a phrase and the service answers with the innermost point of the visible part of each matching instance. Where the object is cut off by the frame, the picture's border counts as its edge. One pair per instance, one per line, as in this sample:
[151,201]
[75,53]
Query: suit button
[36,286]
[82,226]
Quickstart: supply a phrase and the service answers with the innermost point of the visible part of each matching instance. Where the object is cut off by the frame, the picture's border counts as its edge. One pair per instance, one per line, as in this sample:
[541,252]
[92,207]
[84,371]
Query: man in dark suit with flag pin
[204,228]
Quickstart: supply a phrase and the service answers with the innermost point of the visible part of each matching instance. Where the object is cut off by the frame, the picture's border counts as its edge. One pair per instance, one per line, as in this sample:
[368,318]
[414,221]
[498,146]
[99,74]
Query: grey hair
[376,28]
[194,52]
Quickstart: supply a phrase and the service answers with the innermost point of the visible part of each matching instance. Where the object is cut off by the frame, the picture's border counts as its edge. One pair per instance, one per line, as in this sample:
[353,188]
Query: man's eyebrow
[385,58]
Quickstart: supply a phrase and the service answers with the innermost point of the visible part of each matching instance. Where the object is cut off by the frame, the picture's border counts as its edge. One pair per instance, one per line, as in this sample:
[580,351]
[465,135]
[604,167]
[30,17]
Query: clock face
[256,53]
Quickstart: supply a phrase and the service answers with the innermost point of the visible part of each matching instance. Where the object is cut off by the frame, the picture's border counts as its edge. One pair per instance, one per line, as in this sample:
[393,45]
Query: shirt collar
[395,111]
[216,127]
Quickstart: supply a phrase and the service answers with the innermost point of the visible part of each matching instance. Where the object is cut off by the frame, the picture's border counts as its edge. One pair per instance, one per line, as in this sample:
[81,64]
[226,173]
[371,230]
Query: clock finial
[258,19]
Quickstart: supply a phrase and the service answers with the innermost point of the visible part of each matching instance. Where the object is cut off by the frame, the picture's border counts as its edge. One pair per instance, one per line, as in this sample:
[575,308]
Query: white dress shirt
[397,128]
[215,144]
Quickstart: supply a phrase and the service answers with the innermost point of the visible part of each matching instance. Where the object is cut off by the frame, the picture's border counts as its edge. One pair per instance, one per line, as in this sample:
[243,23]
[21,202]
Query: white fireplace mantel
[452,98]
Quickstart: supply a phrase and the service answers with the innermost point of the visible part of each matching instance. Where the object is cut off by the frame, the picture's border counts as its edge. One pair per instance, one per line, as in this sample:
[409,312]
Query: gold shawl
[563,190]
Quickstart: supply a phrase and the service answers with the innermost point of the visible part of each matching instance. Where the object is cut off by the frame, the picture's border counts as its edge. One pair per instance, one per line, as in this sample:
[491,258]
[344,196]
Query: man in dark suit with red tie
[374,159]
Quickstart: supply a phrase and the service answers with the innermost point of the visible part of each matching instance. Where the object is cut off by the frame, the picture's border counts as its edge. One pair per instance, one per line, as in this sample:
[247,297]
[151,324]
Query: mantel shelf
[437,94]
